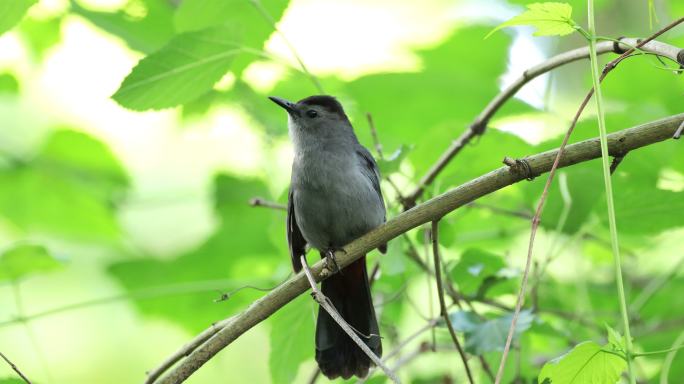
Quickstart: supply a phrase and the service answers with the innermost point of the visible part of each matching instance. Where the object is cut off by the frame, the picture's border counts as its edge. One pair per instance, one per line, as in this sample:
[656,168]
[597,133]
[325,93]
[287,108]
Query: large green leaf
[37,200]
[25,259]
[84,159]
[292,341]
[588,362]
[11,11]
[184,69]
[146,32]
[250,20]
[70,188]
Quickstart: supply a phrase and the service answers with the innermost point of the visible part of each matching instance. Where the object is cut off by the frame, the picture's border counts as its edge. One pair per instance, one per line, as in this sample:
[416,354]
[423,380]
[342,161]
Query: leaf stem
[609,187]
[675,348]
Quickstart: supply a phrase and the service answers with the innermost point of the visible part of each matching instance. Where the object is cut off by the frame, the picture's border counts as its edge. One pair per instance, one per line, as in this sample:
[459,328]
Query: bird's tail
[336,353]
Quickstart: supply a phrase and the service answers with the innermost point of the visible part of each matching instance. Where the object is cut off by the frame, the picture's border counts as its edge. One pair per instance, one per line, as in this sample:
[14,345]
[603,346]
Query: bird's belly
[332,215]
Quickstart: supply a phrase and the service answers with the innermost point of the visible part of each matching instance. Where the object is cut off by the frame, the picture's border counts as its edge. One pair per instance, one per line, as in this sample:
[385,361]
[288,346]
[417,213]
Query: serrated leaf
[145,34]
[292,343]
[586,363]
[488,335]
[184,69]
[25,259]
[252,20]
[550,19]
[11,11]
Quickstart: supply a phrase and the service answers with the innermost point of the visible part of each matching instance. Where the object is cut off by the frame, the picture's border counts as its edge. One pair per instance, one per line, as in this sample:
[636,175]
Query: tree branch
[618,142]
[478,126]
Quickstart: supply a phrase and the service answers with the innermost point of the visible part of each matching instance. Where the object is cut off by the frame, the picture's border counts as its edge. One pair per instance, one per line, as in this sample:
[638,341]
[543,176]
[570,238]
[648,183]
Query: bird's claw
[331,261]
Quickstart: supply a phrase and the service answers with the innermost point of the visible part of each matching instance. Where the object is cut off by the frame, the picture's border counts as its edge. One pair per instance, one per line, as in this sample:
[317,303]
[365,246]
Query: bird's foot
[331,261]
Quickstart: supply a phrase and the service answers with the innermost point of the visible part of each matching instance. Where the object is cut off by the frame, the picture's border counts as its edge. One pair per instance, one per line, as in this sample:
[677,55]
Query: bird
[334,198]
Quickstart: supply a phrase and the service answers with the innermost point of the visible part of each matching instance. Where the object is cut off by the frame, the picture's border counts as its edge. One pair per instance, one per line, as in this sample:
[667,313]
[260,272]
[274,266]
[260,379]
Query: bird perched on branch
[334,198]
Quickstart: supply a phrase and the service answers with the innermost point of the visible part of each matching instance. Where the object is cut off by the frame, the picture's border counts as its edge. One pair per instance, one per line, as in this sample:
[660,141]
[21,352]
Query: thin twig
[259,202]
[442,303]
[540,206]
[325,303]
[478,126]
[15,368]
[627,139]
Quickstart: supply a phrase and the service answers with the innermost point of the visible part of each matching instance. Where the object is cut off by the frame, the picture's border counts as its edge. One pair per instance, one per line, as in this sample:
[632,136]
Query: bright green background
[121,228]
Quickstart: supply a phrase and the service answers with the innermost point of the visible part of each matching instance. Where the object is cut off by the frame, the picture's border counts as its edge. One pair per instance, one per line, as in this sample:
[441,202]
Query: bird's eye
[311,113]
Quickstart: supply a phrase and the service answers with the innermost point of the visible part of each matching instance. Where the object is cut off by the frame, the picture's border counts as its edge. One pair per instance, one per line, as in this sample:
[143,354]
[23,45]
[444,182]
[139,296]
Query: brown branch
[442,303]
[478,126]
[15,368]
[540,206]
[327,305]
[618,142]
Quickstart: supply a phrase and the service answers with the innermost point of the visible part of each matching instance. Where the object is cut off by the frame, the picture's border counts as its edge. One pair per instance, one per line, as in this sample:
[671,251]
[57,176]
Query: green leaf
[11,11]
[474,267]
[586,363]
[292,342]
[84,158]
[25,259]
[186,68]
[550,19]
[245,17]
[490,335]
[145,33]
[391,164]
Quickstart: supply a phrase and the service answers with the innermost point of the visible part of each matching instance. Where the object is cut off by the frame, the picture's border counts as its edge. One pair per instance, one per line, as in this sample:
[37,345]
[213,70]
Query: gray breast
[334,201]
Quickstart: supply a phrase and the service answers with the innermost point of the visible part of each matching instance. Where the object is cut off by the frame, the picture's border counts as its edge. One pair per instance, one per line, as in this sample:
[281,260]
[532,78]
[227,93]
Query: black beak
[289,106]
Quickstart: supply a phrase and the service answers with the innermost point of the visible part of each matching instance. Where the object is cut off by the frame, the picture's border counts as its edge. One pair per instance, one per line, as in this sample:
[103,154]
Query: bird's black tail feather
[336,353]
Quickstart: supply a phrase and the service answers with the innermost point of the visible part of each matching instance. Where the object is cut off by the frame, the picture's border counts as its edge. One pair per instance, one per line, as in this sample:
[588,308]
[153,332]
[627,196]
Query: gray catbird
[334,198]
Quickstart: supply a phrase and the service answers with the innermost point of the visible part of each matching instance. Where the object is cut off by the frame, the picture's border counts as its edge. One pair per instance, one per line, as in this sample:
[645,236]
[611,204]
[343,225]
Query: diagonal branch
[478,126]
[618,142]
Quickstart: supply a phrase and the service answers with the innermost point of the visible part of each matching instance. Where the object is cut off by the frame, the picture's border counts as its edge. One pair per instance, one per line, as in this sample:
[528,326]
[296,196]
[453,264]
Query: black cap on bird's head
[327,103]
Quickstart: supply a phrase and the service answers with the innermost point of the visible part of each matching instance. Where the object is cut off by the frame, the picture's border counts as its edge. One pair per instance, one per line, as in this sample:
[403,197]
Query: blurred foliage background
[125,231]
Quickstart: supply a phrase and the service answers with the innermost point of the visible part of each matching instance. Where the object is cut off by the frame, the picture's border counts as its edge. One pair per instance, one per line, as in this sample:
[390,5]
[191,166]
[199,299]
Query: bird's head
[318,117]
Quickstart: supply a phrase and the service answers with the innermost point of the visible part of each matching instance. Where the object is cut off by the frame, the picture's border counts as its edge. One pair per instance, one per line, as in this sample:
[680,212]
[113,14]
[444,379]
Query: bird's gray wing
[295,240]
[372,172]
